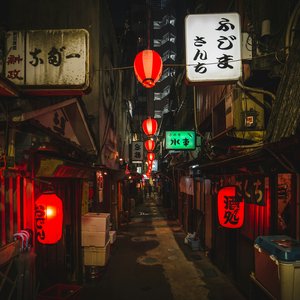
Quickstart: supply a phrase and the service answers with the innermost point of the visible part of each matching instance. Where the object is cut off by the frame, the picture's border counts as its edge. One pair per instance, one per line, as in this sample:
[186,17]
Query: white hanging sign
[213,47]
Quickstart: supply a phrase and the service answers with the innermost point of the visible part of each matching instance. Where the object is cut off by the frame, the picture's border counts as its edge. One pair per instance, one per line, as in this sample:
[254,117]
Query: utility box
[277,266]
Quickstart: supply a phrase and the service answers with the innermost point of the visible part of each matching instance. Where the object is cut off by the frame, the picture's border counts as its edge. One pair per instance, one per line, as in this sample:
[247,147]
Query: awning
[51,167]
[66,119]
[7,88]
[269,158]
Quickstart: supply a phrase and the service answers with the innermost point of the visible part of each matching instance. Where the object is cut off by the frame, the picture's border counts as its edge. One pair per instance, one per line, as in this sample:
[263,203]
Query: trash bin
[277,265]
[61,292]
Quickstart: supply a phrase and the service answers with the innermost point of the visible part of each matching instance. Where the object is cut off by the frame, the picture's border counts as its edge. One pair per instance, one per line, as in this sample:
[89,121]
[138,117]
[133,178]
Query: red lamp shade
[150,156]
[148,67]
[149,126]
[230,208]
[48,218]
[149,145]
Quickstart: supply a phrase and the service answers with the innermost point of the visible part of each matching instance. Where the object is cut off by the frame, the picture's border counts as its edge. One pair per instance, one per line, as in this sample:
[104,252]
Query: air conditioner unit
[244,112]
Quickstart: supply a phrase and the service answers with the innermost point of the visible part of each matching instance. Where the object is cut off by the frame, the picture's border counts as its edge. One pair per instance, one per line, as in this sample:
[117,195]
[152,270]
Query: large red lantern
[230,208]
[148,67]
[149,145]
[150,156]
[48,218]
[149,126]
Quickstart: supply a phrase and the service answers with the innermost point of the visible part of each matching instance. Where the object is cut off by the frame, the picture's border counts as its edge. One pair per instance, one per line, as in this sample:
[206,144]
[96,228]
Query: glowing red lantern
[48,218]
[149,126]
[230,208]
[150,156]
[148,67]
[149,145]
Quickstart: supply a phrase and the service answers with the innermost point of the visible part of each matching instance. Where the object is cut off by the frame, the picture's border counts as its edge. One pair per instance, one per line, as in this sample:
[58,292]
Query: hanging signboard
[52,60]
[213,47]
[180,140]
[230,208]
[137,152]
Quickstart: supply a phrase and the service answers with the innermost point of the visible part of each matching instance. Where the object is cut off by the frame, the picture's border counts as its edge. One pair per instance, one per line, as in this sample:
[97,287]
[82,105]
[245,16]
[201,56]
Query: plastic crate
[96,256]
[96,239]
[61,292]
[95,222]
[194,244]
[283,247]
[277,266]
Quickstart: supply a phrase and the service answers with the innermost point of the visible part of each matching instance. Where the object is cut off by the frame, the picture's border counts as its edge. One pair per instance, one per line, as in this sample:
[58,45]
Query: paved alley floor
[150,260]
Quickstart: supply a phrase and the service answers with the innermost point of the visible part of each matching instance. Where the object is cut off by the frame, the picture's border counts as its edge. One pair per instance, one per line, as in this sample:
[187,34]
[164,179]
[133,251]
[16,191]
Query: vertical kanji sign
[137,151]
[230,208]
[213,47]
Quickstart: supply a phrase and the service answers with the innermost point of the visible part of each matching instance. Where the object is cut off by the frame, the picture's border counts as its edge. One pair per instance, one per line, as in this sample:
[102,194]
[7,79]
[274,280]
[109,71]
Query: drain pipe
[251,89]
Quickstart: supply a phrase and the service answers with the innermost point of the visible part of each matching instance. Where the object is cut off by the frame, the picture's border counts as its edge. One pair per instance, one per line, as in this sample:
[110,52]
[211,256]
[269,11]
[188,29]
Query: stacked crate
[95,238]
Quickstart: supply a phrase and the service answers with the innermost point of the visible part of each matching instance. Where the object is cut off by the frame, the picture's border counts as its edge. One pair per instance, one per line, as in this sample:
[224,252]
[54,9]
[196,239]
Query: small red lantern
[48,218]
[148,67]
[149,145]
[150,156]
[149,126]
[230,208]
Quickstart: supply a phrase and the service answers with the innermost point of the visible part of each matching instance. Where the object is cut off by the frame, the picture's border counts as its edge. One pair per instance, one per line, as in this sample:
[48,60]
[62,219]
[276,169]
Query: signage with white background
[213,47]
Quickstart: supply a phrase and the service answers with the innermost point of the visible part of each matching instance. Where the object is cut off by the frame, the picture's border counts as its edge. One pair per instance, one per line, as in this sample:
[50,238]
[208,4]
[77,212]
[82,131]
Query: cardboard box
[95,222]
[97,239]
[96,256]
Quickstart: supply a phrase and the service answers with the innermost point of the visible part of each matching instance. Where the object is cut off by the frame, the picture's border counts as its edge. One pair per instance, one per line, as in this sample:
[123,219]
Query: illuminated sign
[213,47]
[180,140]
[230,208]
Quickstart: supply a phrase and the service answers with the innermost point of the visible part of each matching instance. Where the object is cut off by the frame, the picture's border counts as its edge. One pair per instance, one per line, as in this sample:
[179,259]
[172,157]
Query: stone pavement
[150,260]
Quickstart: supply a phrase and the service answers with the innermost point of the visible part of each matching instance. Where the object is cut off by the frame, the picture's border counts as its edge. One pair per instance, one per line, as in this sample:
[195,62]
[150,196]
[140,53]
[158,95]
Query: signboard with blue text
[180,140]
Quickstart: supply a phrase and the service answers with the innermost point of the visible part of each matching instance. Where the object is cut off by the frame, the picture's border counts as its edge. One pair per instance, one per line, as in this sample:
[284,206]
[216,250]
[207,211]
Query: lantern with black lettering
[230,208]
[48,218]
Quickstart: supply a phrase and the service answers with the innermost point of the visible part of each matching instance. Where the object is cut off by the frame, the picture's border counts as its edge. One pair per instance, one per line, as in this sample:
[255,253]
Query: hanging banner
[230,210]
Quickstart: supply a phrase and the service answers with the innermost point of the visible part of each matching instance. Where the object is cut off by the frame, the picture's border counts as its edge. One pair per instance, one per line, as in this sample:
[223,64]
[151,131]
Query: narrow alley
[149,260]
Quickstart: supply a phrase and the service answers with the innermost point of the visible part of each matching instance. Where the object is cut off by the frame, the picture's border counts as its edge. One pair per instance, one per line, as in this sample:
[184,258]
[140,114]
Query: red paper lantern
[48,218]
[149,145]
[150,156]
[230,208]
[149,126]
[148,67]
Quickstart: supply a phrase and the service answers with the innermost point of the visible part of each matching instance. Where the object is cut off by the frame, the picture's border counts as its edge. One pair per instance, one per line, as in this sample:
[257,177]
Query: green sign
[180,140]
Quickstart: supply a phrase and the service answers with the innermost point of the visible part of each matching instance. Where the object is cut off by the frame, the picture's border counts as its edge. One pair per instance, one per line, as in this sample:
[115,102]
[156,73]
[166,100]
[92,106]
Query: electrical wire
[274,53]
